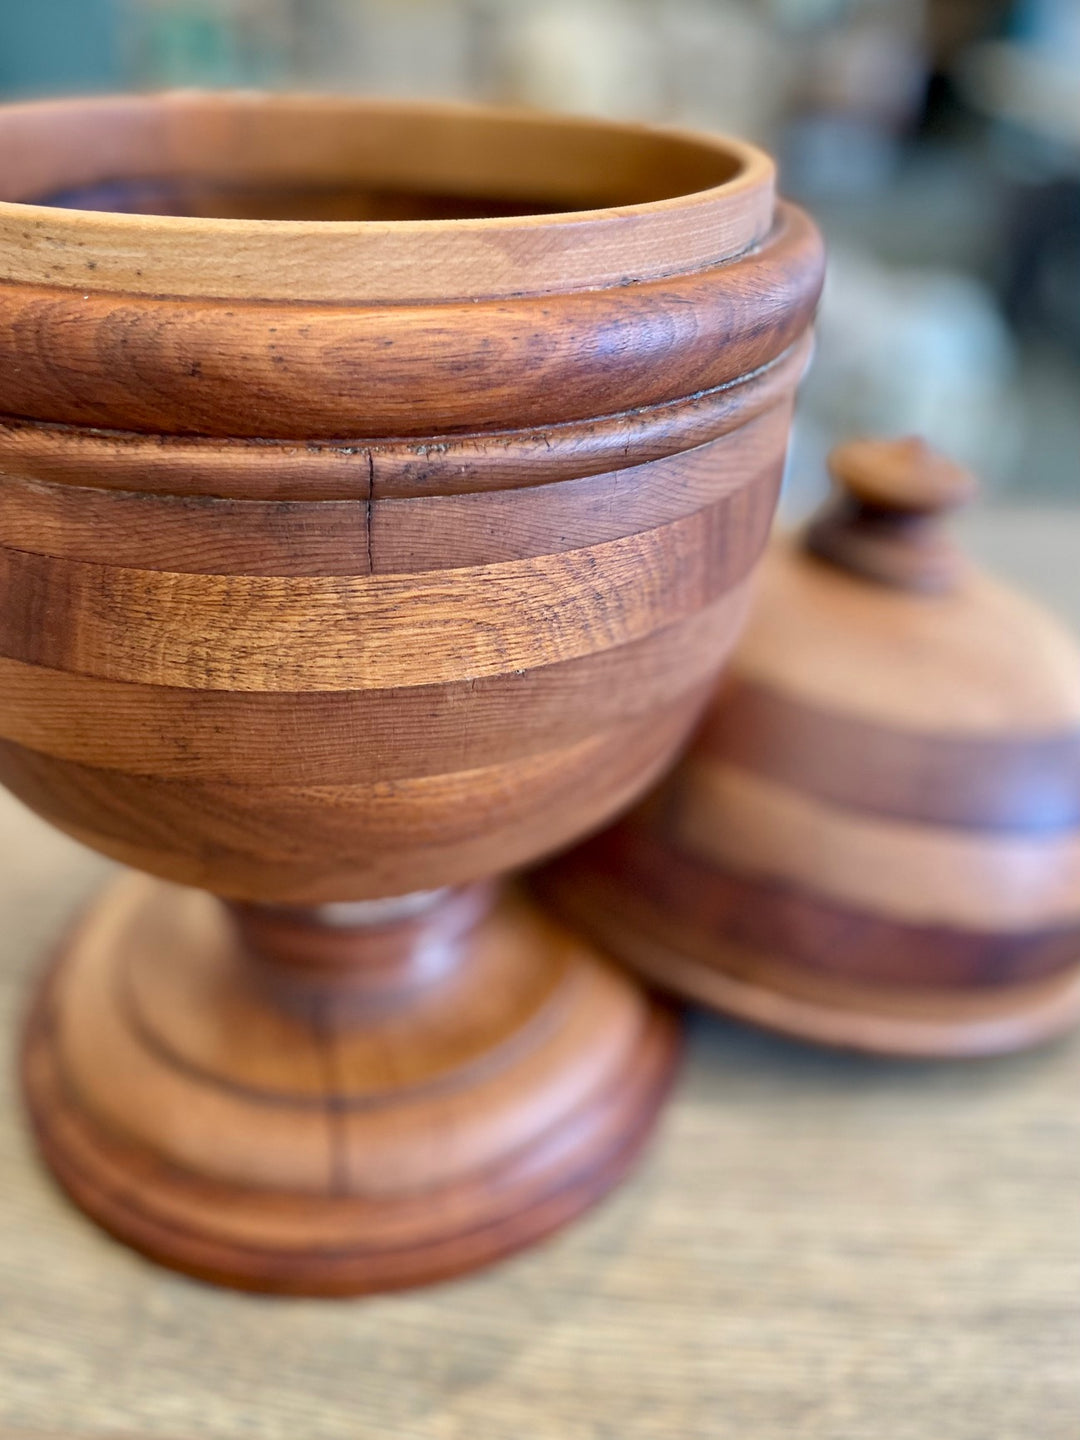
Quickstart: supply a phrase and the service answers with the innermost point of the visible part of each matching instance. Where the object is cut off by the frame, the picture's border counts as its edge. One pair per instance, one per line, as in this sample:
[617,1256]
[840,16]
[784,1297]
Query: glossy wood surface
[304,1146]
[394,469]
[926,1220]
[875,840]
[287,370]
[353,558]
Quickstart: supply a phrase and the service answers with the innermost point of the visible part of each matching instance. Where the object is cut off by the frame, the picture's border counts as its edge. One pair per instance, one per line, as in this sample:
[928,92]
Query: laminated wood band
[268,1240]
[135,1013]
[916,873]
[316,372]
[388,469]
[910,1021]
[353,736]
[305,845]
[977,782]
[201,535]
[630,198]
[713,915]
[271,633]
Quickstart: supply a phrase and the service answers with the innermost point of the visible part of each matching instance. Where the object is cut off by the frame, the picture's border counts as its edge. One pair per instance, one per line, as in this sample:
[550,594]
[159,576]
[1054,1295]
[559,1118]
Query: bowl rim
[355,261]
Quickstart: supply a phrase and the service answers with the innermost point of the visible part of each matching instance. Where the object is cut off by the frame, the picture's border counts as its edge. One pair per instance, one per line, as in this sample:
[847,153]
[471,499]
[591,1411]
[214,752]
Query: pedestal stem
[366,955]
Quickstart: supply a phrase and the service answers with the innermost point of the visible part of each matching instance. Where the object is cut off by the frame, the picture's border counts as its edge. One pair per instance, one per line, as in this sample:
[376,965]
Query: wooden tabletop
[817,1246]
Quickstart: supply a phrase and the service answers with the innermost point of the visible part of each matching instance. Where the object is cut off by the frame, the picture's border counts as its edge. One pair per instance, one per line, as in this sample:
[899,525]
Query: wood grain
[925,1218]
[307,633]
[388,469]
[371,528]
[782,992]
[884,522]
[986,782]
[206,535]
[875,838]
[324,372]
[478,1116]
[896,868]
[805,929]
[636,201]
[981,660]
[319,844]
[408,731]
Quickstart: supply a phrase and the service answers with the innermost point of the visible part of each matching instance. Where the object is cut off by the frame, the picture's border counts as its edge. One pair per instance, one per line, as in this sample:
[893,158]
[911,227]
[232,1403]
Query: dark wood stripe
[698,907]
[199,535]
[1025,783]
[351,469]
[231,368]
[285,844]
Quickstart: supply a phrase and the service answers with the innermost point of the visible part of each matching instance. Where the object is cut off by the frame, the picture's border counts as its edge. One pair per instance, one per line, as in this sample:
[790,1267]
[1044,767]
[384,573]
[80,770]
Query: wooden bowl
[875,839]
[374,516]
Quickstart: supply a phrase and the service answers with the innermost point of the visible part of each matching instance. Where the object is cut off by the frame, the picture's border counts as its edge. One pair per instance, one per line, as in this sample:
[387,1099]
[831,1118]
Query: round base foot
[827,1010]
[315,1153]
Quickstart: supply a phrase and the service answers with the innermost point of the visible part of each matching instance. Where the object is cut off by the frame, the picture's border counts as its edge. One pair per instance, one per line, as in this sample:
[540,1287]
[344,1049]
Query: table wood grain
[817,1246]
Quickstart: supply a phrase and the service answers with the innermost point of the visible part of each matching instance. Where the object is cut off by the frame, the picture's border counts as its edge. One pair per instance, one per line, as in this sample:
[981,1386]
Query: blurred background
[936,141]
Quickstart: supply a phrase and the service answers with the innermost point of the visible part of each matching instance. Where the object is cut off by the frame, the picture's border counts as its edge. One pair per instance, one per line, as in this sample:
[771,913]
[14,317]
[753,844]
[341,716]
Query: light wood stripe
[51,146]
[921,874]
[260,633]
[351,736]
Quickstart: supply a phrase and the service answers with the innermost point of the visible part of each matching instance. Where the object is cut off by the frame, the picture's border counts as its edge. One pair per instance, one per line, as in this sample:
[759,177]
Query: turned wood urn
[380,487]
[874,841]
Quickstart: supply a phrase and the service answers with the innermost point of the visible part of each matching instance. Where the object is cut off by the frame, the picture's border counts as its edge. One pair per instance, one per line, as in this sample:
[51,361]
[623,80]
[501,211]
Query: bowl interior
[316,158]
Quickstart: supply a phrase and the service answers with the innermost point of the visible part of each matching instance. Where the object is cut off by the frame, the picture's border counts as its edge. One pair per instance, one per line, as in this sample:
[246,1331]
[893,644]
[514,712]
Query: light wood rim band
[51,146]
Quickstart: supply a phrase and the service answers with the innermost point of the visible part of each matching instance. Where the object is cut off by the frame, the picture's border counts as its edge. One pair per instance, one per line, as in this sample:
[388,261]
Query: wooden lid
[875,838]
[935,729]
[897,626]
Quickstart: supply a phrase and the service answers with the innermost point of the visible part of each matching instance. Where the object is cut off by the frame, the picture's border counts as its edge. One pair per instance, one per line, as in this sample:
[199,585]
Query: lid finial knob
[885,521]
